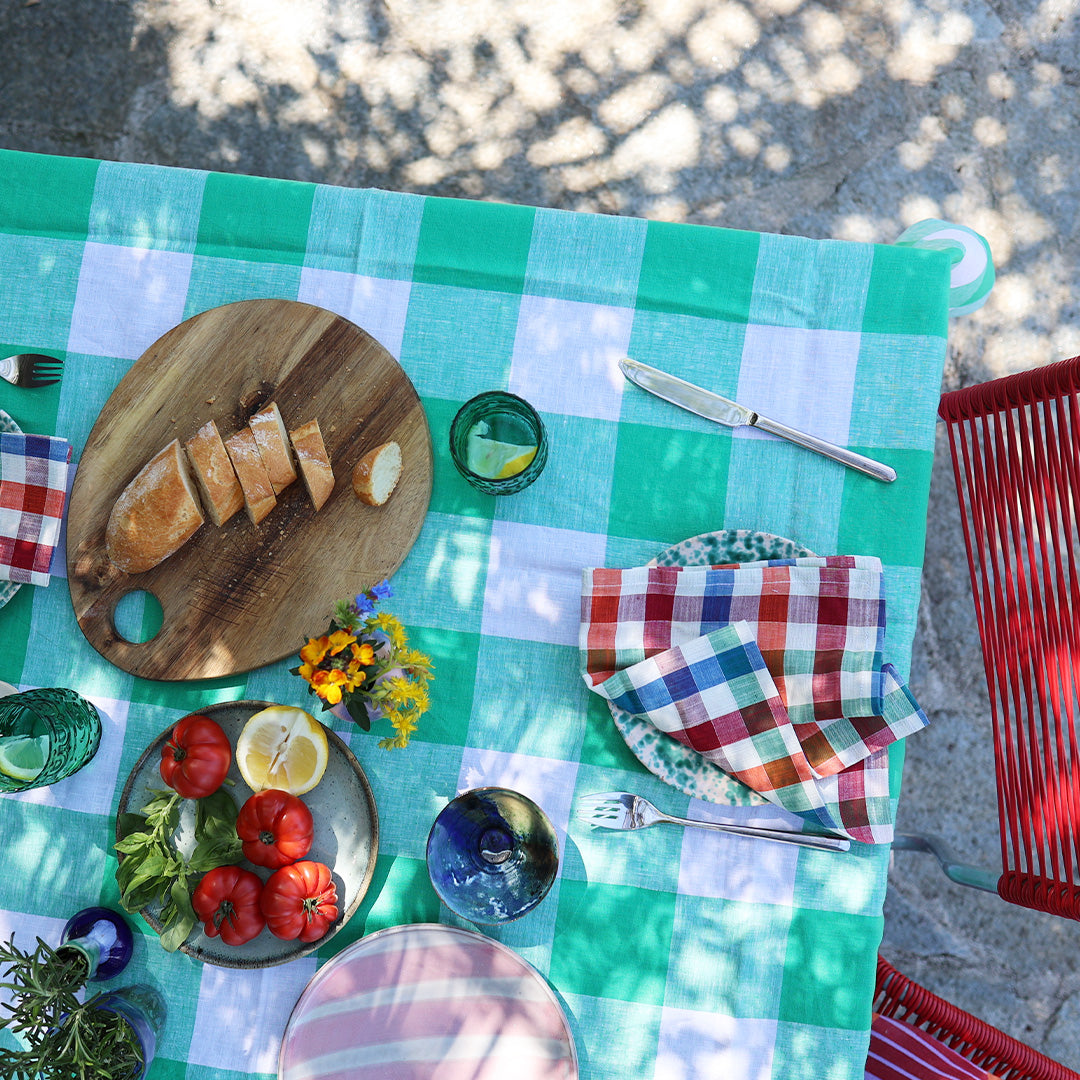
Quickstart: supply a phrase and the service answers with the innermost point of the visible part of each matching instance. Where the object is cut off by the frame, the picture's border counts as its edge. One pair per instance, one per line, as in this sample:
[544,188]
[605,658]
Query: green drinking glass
[498,443]
[45,736]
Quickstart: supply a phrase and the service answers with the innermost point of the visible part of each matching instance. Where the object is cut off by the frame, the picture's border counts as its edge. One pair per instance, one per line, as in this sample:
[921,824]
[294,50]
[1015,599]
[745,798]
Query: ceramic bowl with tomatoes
[344,839]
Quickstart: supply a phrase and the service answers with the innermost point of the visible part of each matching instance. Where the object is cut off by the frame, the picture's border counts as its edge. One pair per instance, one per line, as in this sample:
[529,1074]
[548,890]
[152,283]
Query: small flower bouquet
[364,662]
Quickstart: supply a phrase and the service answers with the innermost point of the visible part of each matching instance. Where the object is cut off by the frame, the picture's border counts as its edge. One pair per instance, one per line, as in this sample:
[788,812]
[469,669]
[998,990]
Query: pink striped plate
[427,1002]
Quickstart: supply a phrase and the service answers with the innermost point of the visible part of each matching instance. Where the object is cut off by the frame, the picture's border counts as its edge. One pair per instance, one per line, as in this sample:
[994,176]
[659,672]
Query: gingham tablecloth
[678,954]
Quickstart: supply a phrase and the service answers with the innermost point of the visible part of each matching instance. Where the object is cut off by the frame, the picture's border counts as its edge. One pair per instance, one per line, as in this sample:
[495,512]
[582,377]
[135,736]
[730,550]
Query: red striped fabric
[900,1051]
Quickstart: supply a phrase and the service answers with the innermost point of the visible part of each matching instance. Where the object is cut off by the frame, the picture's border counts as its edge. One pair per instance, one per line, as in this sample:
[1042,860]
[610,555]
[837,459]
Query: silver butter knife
[723,411]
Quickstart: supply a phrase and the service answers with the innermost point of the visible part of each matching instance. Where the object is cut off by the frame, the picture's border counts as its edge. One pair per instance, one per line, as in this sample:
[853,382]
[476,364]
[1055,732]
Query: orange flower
[314,651]
[328,684]
[339,639]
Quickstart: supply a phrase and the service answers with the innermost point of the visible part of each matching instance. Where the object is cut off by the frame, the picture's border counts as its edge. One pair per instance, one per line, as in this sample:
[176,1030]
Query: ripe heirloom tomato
[276,828]
[196,757]
[300,901]
[227,901]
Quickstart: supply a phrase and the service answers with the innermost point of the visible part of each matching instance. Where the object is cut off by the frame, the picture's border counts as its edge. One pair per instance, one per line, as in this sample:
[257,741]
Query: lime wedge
[496,460]
[22,757]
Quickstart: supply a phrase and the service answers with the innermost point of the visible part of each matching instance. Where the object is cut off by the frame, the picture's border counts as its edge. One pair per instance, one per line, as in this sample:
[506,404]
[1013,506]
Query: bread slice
[377,473]
[314,462]
[155,515]
[259,498]
[273,442]
[221,493]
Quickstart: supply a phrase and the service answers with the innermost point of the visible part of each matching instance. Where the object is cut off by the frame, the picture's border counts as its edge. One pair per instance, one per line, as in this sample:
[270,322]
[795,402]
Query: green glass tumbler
[503,423]
[45,736]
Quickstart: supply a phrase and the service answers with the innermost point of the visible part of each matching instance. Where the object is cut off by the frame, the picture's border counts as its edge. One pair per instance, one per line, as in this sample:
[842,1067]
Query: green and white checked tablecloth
[679,954]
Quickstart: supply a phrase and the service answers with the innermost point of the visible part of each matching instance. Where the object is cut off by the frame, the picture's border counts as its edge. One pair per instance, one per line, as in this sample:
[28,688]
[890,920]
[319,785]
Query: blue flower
[364,604]
[382,591]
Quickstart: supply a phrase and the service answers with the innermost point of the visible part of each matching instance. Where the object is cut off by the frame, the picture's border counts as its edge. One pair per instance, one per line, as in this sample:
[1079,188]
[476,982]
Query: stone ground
[829,119]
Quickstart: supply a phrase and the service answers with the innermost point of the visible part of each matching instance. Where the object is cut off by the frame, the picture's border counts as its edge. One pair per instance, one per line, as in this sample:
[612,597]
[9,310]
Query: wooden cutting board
[240,596]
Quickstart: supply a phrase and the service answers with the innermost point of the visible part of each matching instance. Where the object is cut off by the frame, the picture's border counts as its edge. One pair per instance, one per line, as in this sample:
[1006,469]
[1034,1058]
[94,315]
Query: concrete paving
[827,119]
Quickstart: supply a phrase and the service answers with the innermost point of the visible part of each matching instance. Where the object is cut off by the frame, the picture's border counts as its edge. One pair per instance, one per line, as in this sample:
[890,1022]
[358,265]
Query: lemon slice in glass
[282,747]
[495,460]
[22,757]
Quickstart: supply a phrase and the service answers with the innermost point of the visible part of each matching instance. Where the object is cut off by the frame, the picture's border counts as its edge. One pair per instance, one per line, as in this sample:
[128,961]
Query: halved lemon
[282,747]
[493,459]
[22,757]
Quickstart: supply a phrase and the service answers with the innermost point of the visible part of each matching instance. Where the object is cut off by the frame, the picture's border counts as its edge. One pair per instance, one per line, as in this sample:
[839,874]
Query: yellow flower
[314,651]
[363,654]
[328,684]
[338,640]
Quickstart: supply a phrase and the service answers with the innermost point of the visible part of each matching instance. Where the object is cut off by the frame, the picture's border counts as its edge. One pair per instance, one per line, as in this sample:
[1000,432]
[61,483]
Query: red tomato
[276,828]
[227,901]
[196,758]
[300,901]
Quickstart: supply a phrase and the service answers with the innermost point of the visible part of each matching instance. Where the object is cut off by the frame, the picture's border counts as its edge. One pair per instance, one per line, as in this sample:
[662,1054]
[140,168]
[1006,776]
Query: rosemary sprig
[67,1039]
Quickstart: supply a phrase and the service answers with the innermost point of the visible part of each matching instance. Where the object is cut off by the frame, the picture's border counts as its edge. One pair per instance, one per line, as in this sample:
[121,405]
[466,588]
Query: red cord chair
[1015,446]
[984,1046]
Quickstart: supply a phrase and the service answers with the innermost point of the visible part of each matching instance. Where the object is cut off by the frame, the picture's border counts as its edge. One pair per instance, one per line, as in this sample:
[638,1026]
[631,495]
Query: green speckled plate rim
[661,754]
[8,588]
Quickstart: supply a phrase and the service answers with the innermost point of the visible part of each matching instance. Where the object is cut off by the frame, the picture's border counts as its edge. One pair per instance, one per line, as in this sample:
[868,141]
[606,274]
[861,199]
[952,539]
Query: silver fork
[31,369]
[624,810]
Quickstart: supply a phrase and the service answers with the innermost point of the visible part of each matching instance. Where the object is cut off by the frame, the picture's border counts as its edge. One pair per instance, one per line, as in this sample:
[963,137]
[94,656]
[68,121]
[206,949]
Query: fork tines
[31,369]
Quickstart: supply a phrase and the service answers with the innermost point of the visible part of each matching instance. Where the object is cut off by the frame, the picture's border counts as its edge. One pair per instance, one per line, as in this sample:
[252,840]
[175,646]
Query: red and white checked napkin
[772,671]
[33,489]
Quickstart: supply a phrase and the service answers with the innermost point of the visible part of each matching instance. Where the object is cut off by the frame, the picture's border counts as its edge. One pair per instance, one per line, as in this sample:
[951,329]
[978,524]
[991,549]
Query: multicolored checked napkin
[772,671]
[33,488]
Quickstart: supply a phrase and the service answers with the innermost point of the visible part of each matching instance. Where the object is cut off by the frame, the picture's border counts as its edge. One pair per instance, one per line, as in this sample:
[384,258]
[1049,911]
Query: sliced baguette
[377,473]
[273,442]
[259,498]
[314,462]
[155,515]
[221,493]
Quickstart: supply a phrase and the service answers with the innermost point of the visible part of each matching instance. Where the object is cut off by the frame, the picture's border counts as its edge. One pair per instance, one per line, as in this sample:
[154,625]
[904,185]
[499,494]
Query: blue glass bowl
[492,855]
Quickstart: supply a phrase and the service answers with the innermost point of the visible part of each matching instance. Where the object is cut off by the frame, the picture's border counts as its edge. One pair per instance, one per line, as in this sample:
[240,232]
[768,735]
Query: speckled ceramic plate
[7,588]
[346,837]
[660,753]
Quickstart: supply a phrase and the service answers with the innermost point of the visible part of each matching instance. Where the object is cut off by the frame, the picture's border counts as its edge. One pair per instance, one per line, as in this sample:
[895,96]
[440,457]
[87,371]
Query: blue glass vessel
[492,855]
[103,938]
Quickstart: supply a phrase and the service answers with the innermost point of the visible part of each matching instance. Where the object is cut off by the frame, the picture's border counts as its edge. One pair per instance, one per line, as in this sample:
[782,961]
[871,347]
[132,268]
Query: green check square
[698,270]
[874,517]
[591,928]
[458,342]
[146,206]
[165,1069]
[192,696]
[46,196]
[367,232]
[667,484]
[828,969]
[83,399]
[862,887]
[620,1037]
[736,965]
[41,279]
[214,282]
[454,655]
[843,1051]
[451,493]
[908,292]
[473,245]
[400,893]
[255,218]
[529,699]
[590,258]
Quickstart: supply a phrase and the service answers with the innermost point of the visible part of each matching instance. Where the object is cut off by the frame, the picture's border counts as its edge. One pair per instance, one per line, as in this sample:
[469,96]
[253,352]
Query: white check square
[566,356]
[533,588]
[377,305]
[710,1046]
[127,298]
[803,378]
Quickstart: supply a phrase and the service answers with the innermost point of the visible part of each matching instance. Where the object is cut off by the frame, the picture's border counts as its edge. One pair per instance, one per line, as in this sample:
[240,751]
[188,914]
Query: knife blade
[722,410]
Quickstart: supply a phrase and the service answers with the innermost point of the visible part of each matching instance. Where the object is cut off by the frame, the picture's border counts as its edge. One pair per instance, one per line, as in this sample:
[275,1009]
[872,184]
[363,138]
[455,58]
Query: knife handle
[810,442]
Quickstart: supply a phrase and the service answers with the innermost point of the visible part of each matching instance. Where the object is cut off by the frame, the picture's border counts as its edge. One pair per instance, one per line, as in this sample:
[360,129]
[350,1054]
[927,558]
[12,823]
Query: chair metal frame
[1015,445]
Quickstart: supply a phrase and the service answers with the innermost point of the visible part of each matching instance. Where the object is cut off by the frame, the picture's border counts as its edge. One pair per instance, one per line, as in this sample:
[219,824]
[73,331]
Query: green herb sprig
[153,870]
[67,1039]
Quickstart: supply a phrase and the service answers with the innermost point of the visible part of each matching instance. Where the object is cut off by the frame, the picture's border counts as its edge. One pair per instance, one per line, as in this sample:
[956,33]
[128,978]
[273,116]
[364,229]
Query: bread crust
[221,493]
[155,515]
[259,498]
[313,461]
[273,442]
[377,473]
